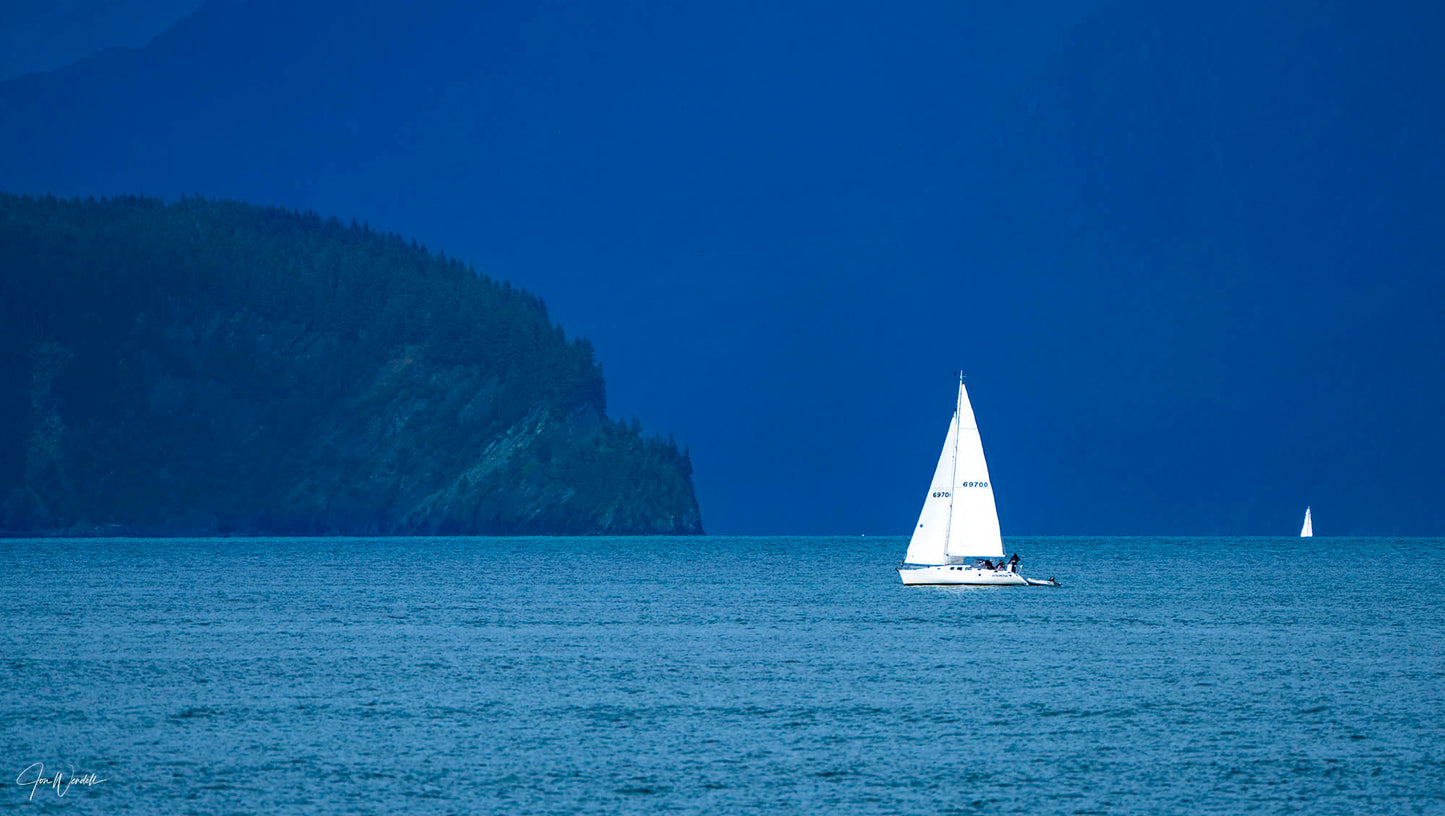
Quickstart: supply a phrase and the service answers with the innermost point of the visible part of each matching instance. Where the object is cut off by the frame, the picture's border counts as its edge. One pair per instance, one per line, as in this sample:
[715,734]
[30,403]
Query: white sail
[1308,530]
[959,517]
[930,537]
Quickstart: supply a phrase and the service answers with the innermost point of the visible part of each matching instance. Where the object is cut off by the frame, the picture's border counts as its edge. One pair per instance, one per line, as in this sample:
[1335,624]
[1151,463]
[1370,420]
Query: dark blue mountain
[1188,255]
[1236,210]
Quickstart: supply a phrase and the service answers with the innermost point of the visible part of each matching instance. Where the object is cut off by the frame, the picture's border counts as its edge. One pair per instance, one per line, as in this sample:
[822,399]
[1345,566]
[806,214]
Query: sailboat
[957,539]
[1307,531]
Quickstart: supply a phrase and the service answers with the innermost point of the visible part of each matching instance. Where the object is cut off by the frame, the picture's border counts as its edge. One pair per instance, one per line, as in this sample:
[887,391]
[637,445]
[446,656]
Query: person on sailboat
[1013,563]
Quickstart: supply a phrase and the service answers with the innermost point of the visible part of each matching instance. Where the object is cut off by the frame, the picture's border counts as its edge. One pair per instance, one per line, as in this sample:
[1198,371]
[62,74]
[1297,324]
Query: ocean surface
[720,675]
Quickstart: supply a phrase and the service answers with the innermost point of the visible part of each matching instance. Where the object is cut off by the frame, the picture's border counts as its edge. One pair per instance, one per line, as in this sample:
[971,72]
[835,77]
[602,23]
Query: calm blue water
[718,675]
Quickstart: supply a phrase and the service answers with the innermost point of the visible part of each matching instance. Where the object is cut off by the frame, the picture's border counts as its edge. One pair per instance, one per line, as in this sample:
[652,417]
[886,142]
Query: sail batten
[959,517]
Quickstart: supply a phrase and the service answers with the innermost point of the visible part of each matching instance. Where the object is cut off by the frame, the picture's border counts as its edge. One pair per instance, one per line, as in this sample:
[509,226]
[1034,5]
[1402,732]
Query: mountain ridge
[210,367]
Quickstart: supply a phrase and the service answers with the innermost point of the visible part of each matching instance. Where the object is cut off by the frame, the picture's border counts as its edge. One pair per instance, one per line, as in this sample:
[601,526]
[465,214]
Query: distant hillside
[249,96]
[1236,208]
[214,367]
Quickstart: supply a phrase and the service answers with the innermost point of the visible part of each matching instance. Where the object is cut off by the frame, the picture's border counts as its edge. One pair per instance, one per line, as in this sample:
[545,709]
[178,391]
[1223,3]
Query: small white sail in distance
[959,517]
[1308,530]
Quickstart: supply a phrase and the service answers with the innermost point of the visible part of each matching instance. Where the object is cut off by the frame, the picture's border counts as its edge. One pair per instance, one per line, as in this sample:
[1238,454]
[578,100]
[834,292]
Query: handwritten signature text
[33,777]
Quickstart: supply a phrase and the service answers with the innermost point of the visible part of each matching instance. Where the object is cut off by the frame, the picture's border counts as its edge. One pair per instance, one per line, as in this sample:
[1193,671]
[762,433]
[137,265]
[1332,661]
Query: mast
[953,478]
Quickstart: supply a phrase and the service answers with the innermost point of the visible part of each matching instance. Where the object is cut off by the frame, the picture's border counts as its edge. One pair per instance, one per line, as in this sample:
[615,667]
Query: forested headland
[210,367]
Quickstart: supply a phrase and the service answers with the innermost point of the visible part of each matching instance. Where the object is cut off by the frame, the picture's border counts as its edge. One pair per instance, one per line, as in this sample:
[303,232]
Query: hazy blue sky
[1189,258]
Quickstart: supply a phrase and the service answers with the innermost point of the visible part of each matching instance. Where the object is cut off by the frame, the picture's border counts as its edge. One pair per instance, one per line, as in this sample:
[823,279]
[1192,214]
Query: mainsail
[959,517]
[1308,530]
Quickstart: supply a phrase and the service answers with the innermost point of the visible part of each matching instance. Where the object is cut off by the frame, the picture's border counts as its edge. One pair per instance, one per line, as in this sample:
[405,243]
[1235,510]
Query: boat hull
[954,575]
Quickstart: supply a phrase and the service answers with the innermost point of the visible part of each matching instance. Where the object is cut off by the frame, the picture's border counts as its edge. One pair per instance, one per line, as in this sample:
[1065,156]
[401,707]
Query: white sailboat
[1308,530]
[957,539]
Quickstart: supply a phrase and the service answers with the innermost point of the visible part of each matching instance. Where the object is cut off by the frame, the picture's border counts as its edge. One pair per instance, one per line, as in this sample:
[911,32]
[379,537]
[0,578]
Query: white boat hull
[964,575]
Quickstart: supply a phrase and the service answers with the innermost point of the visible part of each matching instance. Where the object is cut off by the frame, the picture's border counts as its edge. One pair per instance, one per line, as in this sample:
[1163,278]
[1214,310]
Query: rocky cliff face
[220,404]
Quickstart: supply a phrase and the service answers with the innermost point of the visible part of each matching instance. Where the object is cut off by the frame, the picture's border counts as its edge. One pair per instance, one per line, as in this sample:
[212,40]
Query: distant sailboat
[1308,530]
[957,539]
